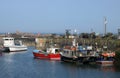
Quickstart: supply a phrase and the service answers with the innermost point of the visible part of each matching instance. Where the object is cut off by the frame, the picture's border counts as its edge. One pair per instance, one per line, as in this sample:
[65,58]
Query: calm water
[23,65]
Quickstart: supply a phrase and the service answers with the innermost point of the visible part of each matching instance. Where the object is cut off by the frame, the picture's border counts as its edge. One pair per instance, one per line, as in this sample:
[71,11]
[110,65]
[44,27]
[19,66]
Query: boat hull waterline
[47,56]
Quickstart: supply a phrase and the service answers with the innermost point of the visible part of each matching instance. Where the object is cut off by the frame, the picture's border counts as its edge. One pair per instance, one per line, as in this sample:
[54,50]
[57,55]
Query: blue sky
[54,16]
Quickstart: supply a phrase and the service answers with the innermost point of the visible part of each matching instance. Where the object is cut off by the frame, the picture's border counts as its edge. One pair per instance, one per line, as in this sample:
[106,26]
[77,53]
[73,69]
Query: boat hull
[17,48]
[46,56]
[79,60]
[105,63]
[14,48]
[5,49]
[68,59]
[54,56]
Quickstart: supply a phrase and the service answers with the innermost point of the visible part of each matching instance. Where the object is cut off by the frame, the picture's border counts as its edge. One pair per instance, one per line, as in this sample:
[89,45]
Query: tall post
[105,24]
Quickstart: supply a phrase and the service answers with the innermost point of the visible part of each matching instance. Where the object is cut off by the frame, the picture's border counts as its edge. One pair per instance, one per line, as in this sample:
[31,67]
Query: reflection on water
[107,68]
[23,65]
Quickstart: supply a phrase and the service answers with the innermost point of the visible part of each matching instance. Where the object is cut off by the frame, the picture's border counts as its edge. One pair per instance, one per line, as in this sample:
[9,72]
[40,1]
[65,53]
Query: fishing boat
[69,54]
[82,54]
[12,45]
[75,55]
[106,59]
[50,54]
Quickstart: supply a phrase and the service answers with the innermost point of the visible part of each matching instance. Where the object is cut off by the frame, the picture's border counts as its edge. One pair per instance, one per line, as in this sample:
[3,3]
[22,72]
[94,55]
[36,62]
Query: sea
[24,65]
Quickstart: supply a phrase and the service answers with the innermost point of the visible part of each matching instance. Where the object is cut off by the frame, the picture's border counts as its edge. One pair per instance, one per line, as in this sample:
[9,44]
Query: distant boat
[11,45]
[50,54]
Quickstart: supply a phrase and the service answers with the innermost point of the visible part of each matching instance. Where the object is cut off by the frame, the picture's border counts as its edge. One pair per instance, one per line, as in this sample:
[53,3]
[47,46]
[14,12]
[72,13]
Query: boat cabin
[53,50]
[68,53]
[8,41]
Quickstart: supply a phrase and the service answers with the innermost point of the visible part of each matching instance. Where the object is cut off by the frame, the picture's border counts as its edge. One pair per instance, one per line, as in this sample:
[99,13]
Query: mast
[74,39]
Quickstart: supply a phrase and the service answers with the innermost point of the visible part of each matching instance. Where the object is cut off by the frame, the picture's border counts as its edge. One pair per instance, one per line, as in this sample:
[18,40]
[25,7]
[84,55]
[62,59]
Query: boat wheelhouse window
[72,53]
[6,39]
[57,50]
[11,39]
[66,52]
[17,43]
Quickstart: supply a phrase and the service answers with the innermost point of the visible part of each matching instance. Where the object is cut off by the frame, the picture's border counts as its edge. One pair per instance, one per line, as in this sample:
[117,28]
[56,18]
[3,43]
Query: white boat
[10,44]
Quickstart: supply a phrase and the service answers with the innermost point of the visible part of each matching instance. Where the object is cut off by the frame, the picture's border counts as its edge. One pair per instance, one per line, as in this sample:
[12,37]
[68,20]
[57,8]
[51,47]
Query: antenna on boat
[74,40]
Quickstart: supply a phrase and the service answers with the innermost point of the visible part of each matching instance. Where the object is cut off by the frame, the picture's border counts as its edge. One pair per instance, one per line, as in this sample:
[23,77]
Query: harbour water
[23,65]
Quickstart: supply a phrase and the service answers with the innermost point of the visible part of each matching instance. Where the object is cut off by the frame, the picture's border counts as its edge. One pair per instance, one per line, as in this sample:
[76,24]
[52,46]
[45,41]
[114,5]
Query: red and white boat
[51,54]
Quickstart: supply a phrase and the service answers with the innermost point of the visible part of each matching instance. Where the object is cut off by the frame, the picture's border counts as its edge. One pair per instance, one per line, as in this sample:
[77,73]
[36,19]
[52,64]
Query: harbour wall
[60,42]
